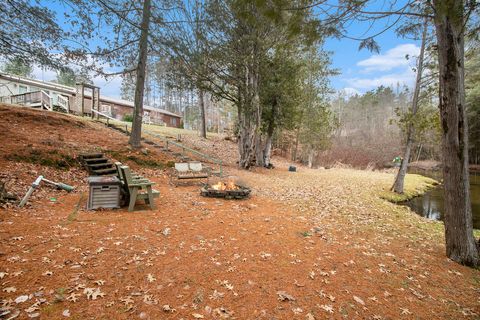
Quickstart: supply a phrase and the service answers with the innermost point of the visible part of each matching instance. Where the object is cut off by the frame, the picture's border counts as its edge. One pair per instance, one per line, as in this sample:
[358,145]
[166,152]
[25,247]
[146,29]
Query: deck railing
[63,102]
[29,98]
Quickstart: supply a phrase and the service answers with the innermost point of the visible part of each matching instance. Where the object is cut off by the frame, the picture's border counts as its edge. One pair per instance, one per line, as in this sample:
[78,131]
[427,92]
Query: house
[76,100]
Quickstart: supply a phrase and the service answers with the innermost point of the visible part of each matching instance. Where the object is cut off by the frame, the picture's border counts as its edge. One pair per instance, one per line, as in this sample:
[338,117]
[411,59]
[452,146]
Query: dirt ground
[315,244]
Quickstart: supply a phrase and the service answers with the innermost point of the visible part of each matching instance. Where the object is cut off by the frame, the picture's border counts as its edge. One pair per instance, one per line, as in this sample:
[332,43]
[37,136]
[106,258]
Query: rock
[66,313]
[143,315]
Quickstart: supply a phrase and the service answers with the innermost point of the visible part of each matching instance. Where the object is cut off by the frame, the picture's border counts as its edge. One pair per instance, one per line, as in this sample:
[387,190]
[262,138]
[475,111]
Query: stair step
[95,160]
[105,171]
[100,165]
[85,156]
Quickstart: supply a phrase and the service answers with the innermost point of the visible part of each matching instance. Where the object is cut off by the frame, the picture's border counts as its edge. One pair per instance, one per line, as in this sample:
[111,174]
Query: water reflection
[430,205]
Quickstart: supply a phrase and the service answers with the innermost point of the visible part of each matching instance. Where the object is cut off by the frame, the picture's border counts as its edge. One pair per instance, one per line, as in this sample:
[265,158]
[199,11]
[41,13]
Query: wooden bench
[138,189]
[190,170]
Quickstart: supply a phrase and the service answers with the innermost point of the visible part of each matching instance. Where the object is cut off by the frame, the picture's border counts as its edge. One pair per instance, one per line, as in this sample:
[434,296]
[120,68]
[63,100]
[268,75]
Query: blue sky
[362,71]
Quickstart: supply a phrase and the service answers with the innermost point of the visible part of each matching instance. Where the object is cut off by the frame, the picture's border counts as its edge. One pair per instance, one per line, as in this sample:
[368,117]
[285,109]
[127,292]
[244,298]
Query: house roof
[71,91]
[131,104]
[43,84]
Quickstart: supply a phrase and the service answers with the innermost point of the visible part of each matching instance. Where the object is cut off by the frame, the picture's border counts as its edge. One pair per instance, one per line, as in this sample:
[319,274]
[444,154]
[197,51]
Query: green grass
[415,185]
[173,132]
[48,158]
[162,130]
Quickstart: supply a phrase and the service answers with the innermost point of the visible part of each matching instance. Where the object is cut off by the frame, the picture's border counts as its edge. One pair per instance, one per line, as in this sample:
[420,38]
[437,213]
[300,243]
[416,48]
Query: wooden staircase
[97,164]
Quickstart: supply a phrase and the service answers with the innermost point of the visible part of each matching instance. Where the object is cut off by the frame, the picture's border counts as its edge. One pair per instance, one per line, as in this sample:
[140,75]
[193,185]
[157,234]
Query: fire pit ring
[225,190]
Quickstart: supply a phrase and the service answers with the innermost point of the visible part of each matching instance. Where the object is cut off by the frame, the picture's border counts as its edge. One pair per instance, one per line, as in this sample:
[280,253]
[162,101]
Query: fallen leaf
[150,278]
[21,299]
[283,296]
[358,300]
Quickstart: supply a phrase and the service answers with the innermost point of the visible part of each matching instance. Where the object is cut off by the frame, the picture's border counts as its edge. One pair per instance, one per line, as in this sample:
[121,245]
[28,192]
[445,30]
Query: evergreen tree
[67,77]
[18,66]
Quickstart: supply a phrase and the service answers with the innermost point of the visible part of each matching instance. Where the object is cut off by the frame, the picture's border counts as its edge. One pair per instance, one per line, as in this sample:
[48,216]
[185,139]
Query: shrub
[128,117]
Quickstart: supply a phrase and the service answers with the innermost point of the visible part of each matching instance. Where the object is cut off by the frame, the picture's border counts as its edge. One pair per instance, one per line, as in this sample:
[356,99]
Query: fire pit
[227,190]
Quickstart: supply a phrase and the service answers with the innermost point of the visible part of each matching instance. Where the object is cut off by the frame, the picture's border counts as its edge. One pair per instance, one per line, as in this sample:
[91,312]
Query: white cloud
[387,69]
[405,77]
[43,74]
[393,58]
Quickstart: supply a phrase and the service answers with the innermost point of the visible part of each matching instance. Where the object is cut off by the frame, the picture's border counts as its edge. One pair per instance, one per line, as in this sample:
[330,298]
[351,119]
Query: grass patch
[415,185]
[146,162]
[139,160]
[52,159]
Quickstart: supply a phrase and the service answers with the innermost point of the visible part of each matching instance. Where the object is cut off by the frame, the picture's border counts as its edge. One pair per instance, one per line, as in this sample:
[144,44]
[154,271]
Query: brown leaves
[151,278]
[283,296]
[73,297]
[93,293]
[358,300]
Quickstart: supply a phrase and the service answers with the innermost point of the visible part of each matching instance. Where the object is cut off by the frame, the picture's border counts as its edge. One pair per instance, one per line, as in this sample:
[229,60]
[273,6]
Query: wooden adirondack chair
[138,189]
[119,173]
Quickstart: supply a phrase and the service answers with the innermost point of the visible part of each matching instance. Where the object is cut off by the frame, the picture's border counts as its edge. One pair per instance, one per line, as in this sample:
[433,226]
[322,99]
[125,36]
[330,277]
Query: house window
[22,89]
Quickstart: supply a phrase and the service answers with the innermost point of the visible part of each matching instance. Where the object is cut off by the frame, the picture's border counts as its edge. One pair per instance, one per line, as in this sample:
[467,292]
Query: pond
[430,205]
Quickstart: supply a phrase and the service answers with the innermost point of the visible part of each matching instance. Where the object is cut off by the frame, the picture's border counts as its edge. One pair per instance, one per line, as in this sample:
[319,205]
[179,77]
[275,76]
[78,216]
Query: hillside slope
[312,244]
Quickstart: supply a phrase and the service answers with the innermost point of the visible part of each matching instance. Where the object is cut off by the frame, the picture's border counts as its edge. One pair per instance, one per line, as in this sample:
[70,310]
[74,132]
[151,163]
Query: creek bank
[415,185]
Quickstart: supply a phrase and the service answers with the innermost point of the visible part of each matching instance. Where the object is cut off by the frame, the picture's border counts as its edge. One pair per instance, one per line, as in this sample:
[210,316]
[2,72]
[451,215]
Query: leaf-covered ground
[315,244]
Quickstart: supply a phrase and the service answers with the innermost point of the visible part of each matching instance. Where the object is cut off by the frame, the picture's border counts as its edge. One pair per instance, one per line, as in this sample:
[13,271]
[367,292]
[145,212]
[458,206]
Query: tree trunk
[295,147]
[311,155]
[400,179]
[268,150]
[203,122]
[136,134]
[267,147]
[249,117]
[246,141]
[449,24]
[402,172]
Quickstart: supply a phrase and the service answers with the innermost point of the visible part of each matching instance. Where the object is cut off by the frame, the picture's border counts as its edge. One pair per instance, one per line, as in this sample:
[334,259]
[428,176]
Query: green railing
[185,149]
